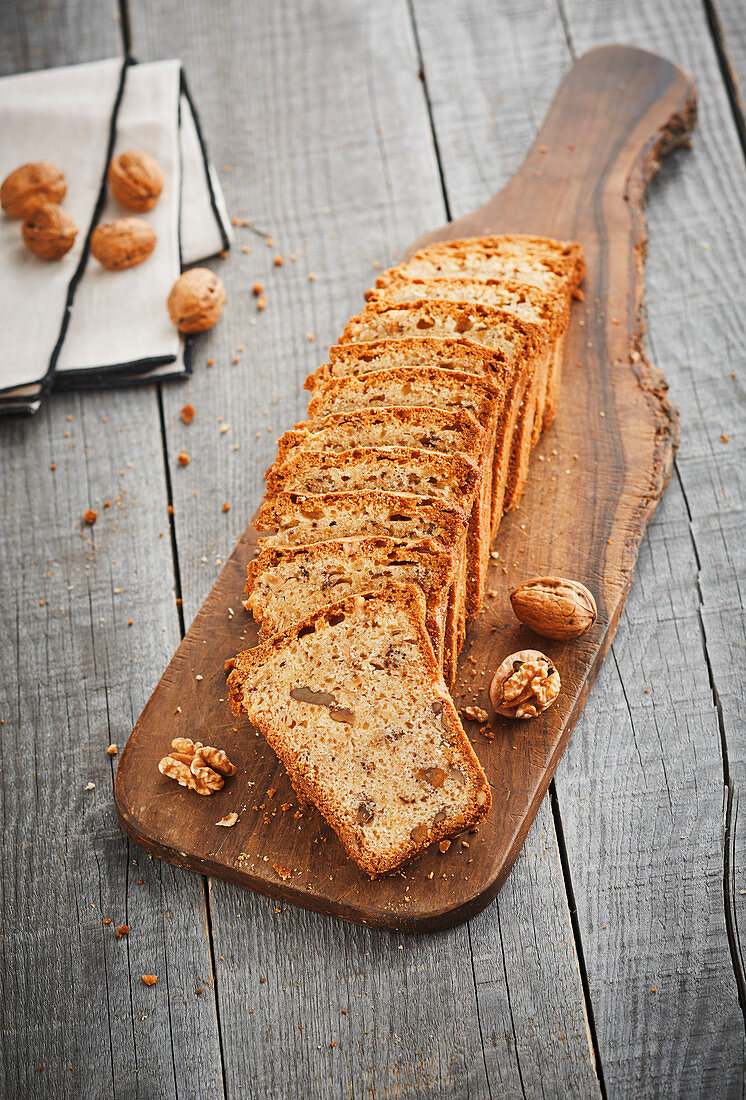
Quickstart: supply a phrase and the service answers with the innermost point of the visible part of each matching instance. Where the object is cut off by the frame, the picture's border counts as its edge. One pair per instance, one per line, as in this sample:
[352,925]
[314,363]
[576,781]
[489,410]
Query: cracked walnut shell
[196,300]
[525,684]
[49,232]
[30,186]
[123,243]
[135,180]
[554,607]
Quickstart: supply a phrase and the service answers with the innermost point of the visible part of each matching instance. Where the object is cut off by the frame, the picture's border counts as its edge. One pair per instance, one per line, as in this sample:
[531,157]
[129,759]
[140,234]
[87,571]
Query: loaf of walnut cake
[380,511]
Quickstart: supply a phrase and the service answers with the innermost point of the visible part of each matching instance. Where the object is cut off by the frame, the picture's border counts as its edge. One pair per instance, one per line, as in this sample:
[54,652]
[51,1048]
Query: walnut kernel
[525,684]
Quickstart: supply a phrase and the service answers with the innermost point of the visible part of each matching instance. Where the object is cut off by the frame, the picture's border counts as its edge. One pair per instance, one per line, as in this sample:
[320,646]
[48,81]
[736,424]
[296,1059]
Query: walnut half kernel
[304,694]
[525,684]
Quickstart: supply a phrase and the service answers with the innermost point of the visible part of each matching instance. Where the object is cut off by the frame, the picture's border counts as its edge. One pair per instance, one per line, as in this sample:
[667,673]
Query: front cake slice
[352,701]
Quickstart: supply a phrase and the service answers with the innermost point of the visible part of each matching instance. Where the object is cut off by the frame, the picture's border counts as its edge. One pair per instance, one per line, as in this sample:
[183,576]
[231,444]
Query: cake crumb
[112,750]
[261,302]
[182,459]
[229,820]
[258,288]
[283,872]
[90,517]
[226,506]
[188,413]
[149,979]
[122,930]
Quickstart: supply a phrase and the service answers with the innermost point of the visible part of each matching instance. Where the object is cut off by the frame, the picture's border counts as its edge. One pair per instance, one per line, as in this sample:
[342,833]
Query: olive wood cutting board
[596,477]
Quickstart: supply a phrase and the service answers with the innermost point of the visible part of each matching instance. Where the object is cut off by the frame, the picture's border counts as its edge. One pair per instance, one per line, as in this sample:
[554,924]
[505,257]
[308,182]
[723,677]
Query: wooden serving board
[595,480]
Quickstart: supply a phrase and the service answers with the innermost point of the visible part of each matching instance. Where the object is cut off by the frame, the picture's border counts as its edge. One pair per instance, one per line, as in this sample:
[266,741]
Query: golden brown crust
[408,600]
[485,325]
[475,254]
[523,300]
[478,394]
[382,556]
[413,351]
[445,430]
[425,473]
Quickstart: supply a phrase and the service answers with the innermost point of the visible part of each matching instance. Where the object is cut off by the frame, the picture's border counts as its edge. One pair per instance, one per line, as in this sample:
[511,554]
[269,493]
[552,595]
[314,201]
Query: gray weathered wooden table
[611,963]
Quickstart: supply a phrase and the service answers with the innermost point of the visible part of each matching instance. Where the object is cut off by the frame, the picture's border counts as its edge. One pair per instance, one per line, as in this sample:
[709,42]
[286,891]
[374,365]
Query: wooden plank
[300,128]
[701,246]
[729,34]
[72,676]
[620,460]
[496,96]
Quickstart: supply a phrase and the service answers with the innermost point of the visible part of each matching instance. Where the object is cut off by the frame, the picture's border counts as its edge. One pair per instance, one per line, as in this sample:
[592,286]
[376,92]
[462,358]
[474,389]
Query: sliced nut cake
[352,701]
[299,519]
[540,261]
[556,267]
[286,583]
[447,431]
[549,310]
[494,328]
[400,470]
[406,386]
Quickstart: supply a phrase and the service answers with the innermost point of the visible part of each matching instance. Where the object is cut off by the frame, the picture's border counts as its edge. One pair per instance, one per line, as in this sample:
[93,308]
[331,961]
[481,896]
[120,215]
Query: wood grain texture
[240,64]
[487,1005]
[682,657]
[72,675]
[625,446]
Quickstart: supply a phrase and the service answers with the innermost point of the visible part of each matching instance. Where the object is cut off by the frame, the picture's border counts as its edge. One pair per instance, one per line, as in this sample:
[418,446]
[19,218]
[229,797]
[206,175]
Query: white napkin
[118,327]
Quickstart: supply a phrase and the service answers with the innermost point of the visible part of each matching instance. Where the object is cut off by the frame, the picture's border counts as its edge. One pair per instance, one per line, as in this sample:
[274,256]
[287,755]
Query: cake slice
[298,519]
[445,431]
[527,302]
[494,328]
[496,407]
[555,267]
[400,470]
[352,701]
[540,261]
[424,350]
[286,583]
[549,310]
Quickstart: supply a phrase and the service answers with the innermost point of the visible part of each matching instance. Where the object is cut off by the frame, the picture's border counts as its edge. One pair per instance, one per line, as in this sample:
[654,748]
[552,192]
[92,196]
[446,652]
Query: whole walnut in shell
[123,243]
[555,607]
[49,232]
[196,300]
[30,186]
[135,180]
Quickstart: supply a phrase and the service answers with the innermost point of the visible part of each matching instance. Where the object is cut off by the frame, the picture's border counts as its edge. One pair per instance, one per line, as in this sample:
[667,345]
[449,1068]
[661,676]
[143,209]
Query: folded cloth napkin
[70,323]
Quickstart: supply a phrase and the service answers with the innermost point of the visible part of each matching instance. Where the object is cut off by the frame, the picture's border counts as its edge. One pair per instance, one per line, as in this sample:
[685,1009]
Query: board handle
[618,111]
